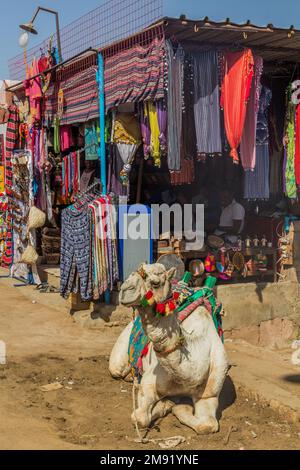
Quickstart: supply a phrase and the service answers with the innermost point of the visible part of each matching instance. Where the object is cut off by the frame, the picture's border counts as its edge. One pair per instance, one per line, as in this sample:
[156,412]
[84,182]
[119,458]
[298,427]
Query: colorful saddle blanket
[139,343]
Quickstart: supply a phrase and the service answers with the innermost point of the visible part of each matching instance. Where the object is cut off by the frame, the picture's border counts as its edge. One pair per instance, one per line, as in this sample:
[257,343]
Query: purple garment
[162,116]
[145,131]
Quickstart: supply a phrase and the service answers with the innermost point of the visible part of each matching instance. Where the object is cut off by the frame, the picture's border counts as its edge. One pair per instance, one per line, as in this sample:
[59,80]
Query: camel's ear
[171,273]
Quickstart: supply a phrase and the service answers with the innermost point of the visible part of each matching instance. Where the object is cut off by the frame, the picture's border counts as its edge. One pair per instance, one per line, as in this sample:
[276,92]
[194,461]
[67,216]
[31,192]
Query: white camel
[185,360]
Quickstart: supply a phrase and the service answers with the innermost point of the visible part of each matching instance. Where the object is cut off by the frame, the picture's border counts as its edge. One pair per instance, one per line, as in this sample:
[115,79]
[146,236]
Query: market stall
[195,113]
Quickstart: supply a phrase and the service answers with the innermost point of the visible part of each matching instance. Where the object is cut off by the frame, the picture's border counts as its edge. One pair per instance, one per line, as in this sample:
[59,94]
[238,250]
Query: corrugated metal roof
[272,43]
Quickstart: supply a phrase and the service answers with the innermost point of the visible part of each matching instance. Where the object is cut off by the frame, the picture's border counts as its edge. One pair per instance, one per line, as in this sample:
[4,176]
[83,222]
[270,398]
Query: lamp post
[29,27]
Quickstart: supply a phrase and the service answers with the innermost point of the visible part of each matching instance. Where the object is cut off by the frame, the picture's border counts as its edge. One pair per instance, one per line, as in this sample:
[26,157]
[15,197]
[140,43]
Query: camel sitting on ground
[186,365]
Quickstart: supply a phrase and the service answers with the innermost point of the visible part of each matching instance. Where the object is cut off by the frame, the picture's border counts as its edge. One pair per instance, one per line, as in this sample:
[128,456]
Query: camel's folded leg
[147,398]
[206,407]
[185,414]
[161,409]
[119,360]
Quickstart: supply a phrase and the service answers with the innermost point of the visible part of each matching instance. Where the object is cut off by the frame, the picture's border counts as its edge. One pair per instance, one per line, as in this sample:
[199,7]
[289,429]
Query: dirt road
[91,410]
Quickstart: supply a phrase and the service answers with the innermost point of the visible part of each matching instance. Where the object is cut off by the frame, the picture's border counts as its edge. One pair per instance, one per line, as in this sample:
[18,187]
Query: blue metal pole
[101,149]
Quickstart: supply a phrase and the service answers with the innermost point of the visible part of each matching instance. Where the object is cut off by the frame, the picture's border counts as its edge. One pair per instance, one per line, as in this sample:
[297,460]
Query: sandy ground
[92,411]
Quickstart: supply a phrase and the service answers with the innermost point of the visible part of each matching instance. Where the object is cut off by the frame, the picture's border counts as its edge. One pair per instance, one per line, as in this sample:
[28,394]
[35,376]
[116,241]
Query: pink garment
[33,90]
[65,138]
[248,142]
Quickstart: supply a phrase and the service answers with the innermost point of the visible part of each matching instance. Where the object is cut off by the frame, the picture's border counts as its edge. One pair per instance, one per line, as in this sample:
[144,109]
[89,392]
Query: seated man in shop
[232,217]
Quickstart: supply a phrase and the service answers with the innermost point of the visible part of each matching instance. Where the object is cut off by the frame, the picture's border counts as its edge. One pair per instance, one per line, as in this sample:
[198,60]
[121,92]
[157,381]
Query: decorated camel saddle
[183,301]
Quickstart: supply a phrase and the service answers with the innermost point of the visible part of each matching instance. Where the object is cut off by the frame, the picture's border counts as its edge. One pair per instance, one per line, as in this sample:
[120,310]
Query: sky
[280,13]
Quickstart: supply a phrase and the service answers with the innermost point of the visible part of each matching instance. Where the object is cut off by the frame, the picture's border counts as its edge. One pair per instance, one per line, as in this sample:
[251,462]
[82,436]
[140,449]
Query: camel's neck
[164,332]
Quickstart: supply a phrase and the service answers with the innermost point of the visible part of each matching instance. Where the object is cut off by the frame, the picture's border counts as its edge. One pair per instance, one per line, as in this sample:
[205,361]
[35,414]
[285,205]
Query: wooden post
[139,182]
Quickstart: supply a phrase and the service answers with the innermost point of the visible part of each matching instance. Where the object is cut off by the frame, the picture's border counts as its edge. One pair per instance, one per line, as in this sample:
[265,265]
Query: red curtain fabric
[297,146]
[238,71]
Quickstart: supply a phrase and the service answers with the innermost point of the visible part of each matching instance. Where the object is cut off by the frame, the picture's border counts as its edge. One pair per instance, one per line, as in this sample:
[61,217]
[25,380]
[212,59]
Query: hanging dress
[238,70]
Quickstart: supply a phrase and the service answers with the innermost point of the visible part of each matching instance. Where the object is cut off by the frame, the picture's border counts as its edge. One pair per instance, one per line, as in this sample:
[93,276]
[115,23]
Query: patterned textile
[206,102]
[80,92]
[12,137]
[138,341]
[257,181]
[105,267]
[175,104]
[136,74]
[75,252]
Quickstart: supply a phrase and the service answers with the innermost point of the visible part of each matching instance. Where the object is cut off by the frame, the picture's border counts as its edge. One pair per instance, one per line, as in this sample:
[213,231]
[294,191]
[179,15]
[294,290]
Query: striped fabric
[136,74]
[206,105]
[12,136]
[80,97]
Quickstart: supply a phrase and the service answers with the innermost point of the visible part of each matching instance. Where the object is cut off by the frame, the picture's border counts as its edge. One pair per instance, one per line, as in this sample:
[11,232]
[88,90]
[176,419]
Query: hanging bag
[36,218]
[29,256]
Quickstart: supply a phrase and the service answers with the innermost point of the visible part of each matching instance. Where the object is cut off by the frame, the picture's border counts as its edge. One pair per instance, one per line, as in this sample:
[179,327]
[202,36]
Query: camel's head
[149,277]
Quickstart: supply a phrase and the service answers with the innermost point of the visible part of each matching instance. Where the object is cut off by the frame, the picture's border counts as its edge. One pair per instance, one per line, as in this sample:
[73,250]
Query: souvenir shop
[195,113]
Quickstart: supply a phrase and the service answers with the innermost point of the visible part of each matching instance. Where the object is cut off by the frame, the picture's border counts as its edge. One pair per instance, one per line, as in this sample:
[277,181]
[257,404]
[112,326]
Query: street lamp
[29,28]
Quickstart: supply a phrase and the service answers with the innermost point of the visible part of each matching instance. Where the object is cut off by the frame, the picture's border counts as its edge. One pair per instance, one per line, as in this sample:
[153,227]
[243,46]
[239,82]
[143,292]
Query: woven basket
[51,242]
[36,218]
[29,256]
[51,232]
[52,258]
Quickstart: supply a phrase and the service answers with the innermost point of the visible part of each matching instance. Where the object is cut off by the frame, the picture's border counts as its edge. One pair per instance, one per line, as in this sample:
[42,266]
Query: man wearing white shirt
[232,217]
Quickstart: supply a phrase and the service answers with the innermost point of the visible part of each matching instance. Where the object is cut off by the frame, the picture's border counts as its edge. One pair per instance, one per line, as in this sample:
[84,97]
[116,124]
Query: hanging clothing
[11,142]
[75,252]
[238,70]
[207,103]
[126,129]
[188,147]
[91,141]
[66,140]
[145,130]
[115,166]
[290,178]
[33,90]
[150,112]
[297,146]
[162,117]
[248,142]
[175,104]
[104,246]
[257,180]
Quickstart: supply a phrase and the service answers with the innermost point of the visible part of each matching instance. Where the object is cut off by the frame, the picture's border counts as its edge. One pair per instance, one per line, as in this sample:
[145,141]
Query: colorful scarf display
[290,140]
[238,70]
[70,174]
[104,262]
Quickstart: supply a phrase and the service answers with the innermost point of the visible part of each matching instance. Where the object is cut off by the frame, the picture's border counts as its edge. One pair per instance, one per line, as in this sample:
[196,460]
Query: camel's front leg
[185,414]
[147,397]
[119,361]
[206,407]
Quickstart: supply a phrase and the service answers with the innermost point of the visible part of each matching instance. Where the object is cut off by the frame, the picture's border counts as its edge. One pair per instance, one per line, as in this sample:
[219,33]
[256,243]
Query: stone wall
[262,314]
